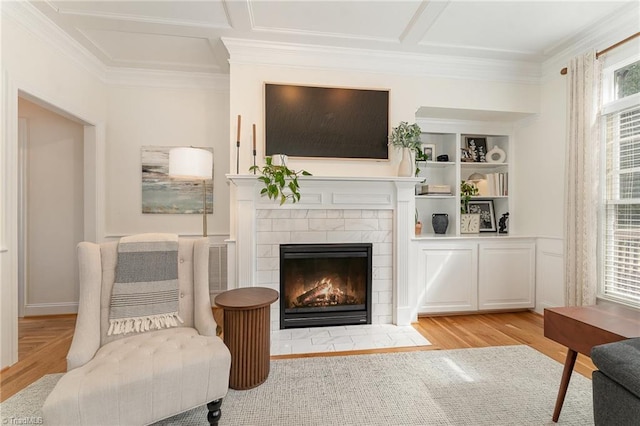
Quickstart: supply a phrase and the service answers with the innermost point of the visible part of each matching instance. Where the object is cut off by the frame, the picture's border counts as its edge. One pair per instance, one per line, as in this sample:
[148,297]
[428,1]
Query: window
[621,213]
[627,80]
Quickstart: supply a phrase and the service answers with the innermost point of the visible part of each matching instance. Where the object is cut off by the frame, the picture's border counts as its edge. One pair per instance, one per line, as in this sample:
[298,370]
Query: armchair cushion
[131,376]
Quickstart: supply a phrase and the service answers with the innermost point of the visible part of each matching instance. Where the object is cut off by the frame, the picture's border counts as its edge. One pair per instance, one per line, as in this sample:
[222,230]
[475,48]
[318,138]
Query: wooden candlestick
[254,147]
[238,146]
[254,136]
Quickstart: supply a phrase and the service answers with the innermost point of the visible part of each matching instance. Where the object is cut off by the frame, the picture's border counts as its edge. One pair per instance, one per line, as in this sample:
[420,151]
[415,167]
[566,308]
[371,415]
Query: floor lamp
[195,164]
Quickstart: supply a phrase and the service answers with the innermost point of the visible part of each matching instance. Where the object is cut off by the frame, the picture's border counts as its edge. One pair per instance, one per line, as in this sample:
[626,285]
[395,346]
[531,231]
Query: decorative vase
[496,155]
[279,159]
[418,228]
[405,169]
[440,222]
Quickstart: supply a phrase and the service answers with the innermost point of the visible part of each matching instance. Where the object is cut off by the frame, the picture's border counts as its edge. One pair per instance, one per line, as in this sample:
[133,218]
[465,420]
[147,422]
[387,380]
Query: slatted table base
[247,335]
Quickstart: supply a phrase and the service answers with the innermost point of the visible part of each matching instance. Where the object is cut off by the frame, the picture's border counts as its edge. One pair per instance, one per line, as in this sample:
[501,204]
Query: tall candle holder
[238,147]
[254,148]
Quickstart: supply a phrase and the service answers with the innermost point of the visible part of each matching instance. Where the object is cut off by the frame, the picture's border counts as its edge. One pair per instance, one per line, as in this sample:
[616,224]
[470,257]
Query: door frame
[94,159]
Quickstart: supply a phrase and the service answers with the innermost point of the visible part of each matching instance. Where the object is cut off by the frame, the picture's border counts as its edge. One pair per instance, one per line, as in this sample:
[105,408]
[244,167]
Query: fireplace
[325,284]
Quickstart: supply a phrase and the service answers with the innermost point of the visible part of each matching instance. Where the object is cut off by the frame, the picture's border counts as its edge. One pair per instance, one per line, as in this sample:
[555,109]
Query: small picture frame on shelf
[487,214]
[465,155]
[477,148]
[428,152]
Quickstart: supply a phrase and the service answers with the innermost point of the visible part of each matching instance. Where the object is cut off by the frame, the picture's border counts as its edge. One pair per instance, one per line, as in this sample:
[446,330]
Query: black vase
[440,222]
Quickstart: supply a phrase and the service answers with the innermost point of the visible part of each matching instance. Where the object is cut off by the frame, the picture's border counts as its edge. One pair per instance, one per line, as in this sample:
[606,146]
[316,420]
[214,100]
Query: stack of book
[436,189]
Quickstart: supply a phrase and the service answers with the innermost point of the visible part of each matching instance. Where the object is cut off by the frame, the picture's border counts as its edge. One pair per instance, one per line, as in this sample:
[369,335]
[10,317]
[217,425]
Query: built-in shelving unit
[449,137]
[469,272]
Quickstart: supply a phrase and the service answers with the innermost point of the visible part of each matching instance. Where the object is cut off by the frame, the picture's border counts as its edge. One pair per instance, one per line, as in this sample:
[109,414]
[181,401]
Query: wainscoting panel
[549,273]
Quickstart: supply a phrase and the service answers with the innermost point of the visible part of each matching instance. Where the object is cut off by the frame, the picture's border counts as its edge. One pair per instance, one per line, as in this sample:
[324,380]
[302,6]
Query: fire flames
[324,293]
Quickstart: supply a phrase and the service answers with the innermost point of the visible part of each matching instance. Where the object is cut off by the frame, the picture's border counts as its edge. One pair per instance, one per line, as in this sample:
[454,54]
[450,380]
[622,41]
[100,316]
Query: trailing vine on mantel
[278,180]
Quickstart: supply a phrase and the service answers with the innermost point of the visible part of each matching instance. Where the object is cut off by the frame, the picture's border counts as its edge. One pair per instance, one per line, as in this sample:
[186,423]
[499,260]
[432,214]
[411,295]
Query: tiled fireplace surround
[332,210]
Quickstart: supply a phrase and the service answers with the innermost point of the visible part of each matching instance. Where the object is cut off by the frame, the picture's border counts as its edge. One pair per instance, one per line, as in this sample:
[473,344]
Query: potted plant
[280,182]
[469,223]
[407,138]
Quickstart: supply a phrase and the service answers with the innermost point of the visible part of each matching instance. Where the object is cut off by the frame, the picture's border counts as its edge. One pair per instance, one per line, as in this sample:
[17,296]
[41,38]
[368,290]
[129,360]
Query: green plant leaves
[280,181]
[466,191]
[406,136]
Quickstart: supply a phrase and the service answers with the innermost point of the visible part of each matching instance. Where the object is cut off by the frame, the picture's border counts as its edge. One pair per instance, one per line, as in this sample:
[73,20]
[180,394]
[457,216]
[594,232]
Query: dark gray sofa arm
[616,383]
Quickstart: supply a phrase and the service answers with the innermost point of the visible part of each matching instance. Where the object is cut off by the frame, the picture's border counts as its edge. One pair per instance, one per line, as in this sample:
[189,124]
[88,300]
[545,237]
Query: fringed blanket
[145,291]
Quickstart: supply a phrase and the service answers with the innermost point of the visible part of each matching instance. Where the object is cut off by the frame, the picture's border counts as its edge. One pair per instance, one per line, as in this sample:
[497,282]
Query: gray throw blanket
[145,291]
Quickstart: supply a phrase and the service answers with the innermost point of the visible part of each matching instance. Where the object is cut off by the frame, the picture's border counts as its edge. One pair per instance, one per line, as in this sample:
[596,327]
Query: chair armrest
[86,338]
[202,313]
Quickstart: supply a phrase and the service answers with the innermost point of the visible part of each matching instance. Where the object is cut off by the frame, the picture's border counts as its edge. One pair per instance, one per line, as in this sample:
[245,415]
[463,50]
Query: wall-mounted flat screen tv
[303,121]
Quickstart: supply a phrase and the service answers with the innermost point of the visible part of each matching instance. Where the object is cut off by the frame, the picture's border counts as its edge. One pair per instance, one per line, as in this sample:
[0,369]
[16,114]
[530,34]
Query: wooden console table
[247,333]
[582,328]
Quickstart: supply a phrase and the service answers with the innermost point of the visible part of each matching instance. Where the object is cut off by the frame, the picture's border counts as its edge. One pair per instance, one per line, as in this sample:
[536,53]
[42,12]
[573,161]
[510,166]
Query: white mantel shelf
[329,192]
[240,178]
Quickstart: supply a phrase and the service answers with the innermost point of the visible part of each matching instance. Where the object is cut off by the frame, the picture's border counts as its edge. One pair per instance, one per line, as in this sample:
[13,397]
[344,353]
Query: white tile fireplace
[376,210]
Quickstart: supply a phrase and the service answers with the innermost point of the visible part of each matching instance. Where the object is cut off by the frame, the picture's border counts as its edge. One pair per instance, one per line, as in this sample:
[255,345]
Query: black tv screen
[303,121]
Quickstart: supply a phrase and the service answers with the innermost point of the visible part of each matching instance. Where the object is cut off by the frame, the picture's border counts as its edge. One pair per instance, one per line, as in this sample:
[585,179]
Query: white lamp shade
[476,177]
[190,163]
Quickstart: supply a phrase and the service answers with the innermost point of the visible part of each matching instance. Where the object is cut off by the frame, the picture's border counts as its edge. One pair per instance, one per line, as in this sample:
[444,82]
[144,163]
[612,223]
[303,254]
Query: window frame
[610,105]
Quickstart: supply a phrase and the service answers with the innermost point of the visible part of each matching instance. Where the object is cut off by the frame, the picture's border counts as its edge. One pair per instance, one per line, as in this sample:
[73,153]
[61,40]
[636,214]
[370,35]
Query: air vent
[217,268]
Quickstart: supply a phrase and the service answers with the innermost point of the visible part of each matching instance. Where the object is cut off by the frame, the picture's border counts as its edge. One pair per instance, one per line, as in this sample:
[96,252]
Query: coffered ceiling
[187,35]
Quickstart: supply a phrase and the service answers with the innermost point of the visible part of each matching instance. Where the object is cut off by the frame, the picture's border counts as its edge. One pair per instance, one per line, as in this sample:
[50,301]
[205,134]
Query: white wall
[541,152]
[407,94]
[540,145]
[40,63]
[146,116]
[55,209]
[37,66]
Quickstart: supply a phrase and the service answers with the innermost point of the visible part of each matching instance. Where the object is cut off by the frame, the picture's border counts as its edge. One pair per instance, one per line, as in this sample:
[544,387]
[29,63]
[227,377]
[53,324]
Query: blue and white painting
[165,195]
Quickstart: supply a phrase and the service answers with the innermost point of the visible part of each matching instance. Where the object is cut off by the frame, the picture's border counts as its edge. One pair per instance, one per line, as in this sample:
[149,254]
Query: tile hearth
[344,338]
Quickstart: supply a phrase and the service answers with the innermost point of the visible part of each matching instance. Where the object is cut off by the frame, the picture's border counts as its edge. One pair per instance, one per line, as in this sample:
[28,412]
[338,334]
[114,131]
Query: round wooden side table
[247,333]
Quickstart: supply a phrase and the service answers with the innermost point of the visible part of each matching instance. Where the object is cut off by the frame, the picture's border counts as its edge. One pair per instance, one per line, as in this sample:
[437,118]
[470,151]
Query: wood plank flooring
[44,342]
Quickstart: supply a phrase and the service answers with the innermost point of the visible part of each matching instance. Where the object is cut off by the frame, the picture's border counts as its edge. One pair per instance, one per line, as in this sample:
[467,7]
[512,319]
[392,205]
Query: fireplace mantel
[327,193]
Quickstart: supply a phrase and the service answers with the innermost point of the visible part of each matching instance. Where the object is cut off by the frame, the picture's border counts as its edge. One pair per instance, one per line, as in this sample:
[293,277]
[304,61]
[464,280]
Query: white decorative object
[279,159]
[193,164]
[496,155]
[405,169]
[469,223]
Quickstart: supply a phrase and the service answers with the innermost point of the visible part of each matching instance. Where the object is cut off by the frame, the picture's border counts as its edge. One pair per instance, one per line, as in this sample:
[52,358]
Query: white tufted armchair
[140,378]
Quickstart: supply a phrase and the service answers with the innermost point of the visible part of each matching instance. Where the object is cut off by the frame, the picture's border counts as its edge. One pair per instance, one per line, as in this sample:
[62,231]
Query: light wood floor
[44,342]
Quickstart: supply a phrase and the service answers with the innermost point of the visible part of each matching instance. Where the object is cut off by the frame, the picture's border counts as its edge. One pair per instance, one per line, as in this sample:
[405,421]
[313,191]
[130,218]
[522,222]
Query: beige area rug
[509,385]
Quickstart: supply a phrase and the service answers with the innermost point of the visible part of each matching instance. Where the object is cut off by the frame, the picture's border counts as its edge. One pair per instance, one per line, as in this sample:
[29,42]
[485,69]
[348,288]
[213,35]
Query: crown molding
[134,77]
[144,19]
[609,31]
[244,51]
[34,21]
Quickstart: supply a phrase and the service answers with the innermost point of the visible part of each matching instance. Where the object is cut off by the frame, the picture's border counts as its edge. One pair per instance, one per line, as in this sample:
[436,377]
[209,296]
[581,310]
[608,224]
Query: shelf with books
[488,168]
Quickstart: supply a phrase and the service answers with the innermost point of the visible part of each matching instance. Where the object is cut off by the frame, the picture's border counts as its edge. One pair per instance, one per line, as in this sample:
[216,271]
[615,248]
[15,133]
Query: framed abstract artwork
[162,194]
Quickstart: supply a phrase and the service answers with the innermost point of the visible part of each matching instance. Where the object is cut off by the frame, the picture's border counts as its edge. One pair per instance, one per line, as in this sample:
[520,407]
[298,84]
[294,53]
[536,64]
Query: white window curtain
[582,179]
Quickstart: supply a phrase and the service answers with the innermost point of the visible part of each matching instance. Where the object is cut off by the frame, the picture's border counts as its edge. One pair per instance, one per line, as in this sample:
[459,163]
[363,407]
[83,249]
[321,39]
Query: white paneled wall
[549,273]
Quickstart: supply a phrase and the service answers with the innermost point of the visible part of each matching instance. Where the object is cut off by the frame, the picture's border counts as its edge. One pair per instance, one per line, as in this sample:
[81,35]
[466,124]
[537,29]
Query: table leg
[564,383]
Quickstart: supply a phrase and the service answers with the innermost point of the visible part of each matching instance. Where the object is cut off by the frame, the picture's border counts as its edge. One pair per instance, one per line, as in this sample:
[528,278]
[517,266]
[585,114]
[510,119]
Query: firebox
[325,284]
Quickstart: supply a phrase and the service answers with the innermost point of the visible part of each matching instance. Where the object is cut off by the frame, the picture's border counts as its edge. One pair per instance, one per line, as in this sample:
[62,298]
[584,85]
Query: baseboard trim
[38,309]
